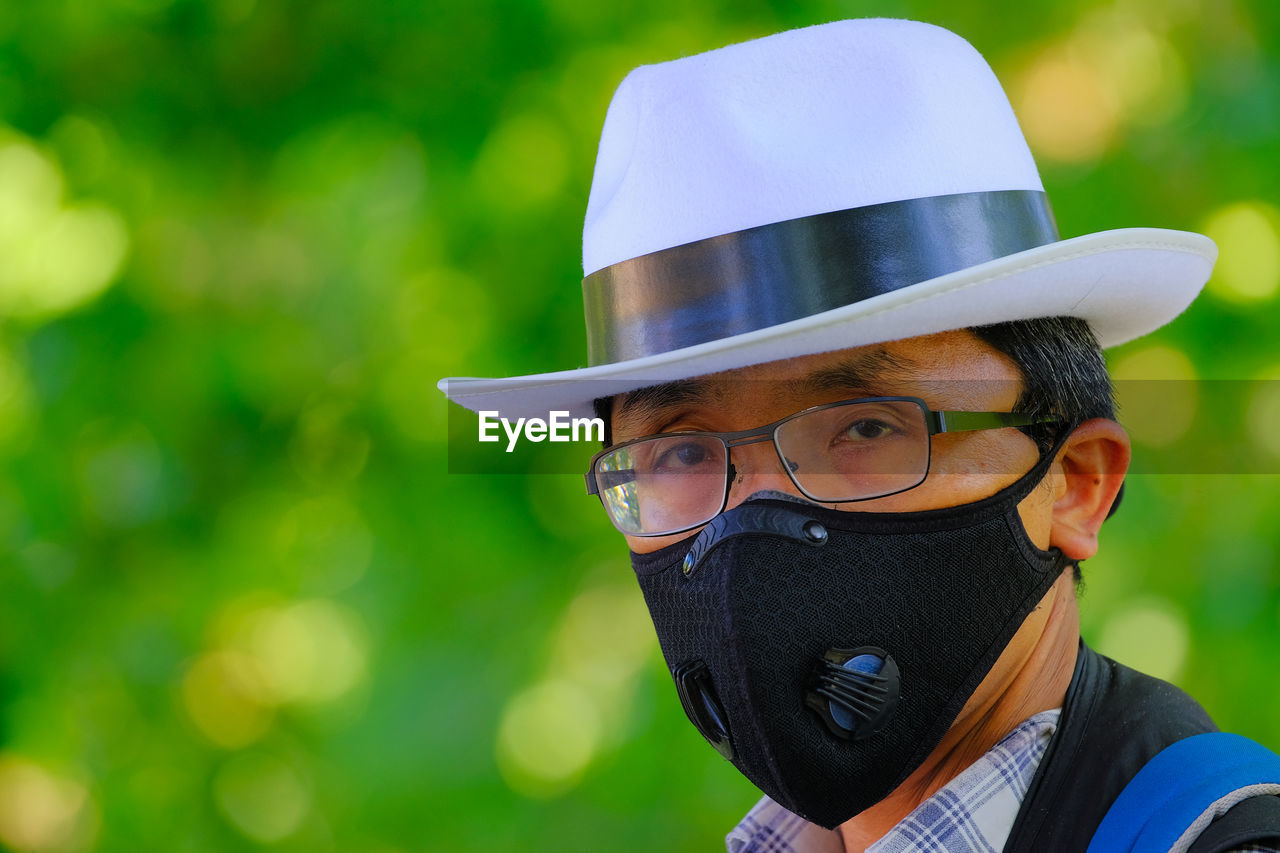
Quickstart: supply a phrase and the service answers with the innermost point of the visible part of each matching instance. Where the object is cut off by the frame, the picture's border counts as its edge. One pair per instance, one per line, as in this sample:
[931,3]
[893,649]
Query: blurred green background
[242,603]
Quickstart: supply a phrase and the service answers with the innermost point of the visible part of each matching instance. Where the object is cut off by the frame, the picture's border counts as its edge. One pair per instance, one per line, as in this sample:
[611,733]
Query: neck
[1030,676]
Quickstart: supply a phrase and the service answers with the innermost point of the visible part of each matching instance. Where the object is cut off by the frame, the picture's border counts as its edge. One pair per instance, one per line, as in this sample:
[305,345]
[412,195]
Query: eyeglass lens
[853,451]
[658,485]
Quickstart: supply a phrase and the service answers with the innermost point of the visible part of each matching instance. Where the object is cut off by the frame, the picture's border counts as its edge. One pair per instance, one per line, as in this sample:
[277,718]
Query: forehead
[949,370]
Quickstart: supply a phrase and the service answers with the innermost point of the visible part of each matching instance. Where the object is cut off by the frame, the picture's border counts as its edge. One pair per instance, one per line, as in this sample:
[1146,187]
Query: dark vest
[1114,720]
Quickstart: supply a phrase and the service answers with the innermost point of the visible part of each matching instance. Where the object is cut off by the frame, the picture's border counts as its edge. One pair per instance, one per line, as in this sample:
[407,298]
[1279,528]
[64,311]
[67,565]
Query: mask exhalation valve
[698,696]
[855,691]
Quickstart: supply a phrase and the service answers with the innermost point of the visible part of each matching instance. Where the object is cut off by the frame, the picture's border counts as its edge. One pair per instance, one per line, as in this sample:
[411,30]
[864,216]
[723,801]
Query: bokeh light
[303,653]
[56,256]
[552,730]
[1150,635]
[310,652]
[262,796]
[222,695]
[1075,96]
[1156,393]
[1066,107]
[39,810]
[1263,414]
[549,733]
[1248,238]
[523,163]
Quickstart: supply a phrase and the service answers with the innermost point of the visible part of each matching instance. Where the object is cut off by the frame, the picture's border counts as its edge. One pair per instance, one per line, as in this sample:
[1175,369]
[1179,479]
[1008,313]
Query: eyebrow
[657,398]
[863,372]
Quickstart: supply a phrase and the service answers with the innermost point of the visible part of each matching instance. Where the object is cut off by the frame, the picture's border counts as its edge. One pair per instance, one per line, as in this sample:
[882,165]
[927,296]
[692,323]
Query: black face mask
[826,653]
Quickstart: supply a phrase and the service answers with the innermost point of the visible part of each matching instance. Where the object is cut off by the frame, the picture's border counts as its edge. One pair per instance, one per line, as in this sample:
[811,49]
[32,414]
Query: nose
[758,469]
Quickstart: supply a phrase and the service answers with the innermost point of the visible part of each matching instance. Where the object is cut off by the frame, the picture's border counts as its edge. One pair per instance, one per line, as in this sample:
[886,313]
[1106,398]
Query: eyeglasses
[854,450]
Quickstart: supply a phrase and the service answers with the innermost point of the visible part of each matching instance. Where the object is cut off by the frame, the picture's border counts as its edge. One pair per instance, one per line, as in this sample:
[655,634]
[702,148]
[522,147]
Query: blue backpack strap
[1177,786]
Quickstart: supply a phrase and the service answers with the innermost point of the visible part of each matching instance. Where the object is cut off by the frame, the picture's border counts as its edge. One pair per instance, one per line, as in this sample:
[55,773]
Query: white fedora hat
[835,186]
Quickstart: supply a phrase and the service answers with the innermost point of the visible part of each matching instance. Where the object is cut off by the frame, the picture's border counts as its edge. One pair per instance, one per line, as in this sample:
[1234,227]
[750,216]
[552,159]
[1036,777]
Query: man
[861,436]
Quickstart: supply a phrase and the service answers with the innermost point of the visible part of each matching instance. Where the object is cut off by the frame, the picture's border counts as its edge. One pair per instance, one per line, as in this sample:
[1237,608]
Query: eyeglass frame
[936,422]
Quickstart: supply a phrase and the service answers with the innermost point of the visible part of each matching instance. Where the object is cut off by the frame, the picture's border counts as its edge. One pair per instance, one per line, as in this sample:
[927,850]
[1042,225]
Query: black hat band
[727,285]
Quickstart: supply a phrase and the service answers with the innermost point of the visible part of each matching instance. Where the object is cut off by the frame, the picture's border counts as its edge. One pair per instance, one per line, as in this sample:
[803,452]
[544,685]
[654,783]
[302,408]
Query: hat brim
[1125,283]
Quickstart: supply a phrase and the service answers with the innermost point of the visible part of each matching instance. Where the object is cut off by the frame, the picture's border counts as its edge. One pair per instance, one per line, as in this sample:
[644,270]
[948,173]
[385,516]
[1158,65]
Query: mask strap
[1027,483]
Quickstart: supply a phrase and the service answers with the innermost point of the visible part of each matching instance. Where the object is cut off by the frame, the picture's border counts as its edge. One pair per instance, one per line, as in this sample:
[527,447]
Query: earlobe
[1093,463]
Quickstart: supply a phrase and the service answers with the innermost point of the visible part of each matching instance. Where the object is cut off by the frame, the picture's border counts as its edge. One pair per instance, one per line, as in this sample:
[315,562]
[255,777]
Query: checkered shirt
[973,813]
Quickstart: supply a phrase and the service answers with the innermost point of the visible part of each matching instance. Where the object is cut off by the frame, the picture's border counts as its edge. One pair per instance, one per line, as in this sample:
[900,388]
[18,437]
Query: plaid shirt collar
[973,813]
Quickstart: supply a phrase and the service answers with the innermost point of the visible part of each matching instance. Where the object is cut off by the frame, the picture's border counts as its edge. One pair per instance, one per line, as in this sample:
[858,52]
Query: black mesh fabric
[942,592]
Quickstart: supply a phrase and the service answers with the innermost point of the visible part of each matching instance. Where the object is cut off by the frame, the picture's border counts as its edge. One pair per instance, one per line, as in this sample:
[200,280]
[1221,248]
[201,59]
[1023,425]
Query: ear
[1093,464]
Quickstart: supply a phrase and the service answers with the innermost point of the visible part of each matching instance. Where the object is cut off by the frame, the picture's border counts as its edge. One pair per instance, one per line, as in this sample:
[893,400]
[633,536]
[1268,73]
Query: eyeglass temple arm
[597,480]
[969,421]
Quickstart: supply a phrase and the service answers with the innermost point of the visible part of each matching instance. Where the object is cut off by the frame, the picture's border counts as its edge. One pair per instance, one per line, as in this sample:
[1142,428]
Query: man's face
[949,371]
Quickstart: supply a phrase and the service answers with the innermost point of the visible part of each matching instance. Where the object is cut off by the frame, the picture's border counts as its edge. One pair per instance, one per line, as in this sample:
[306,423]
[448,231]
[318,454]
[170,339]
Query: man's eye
[865,430]
[685,455]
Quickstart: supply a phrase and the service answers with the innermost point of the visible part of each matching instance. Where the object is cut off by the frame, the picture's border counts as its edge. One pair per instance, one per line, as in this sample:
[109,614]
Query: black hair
[604,411]
[1063,371]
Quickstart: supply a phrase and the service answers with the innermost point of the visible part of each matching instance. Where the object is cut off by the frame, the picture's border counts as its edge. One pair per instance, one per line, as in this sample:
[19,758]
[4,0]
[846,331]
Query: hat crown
[825,118]
[826,188]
